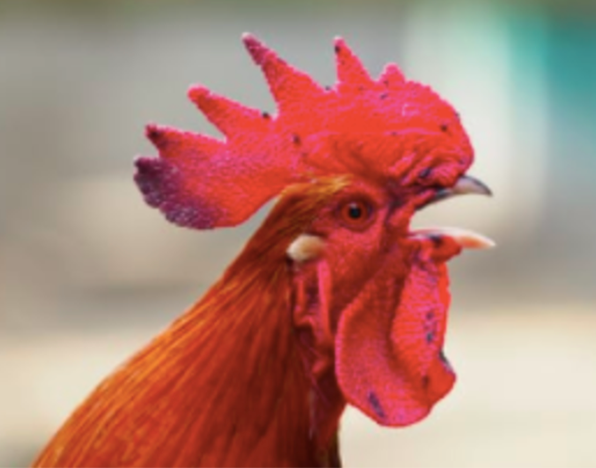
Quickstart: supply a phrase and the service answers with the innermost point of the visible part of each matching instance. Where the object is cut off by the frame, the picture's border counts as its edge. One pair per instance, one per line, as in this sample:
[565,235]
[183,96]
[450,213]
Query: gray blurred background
[88,272]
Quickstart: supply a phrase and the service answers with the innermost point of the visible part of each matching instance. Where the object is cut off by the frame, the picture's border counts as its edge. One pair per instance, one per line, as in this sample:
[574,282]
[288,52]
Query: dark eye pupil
[354,211]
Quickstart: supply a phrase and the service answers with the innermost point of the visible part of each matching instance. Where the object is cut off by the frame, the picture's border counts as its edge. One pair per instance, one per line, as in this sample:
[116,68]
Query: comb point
[392,76]
[227,115]
[339,42]
[255,48]
[154,133]
[349,67]
[287,84]
[197,93]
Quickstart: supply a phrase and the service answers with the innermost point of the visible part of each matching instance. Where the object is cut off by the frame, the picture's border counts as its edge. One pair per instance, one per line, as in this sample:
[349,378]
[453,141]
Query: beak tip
[468,184]
[487,243]
[472,240]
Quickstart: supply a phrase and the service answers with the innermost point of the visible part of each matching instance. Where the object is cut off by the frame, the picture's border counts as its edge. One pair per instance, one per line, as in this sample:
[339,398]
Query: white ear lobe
[306,247]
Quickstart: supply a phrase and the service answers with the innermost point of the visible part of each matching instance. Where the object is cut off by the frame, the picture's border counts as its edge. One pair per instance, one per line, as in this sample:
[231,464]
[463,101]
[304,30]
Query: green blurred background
[88,273]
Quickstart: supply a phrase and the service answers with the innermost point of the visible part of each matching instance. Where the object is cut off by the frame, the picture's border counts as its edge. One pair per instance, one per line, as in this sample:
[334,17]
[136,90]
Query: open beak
[467,239]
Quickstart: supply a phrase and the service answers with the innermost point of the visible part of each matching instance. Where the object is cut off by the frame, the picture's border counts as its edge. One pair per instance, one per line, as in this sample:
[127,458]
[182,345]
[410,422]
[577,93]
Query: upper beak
[464,185]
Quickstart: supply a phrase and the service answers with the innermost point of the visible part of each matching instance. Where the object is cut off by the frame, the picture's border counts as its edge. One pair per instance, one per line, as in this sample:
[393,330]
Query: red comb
[391,125]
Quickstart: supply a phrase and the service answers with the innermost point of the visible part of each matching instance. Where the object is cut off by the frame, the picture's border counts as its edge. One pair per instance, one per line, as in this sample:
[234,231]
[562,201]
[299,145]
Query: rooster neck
[225,384]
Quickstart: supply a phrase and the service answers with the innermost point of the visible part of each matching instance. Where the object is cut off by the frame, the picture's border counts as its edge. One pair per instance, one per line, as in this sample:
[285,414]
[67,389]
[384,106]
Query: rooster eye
[354,211]
[355,214]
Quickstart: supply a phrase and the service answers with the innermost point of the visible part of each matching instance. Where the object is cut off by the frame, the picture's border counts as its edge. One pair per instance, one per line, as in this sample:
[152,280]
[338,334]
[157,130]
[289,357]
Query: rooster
[333,301]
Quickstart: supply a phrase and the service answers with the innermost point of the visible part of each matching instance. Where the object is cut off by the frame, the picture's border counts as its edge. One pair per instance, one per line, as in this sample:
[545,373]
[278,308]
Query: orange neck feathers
[227,384]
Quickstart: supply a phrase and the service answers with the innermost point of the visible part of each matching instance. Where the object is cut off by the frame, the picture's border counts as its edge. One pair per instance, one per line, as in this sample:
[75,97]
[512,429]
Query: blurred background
[88,272]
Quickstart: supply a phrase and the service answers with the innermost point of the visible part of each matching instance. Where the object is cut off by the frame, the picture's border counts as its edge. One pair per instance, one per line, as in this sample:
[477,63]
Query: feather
[189,398]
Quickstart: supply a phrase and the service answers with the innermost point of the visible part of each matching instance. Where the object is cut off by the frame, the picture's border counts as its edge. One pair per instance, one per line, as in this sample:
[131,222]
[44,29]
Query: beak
[464,185]
[465,238]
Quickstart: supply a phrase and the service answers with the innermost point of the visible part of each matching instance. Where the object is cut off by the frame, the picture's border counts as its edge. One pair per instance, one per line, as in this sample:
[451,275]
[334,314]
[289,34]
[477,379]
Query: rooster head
[382,149]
